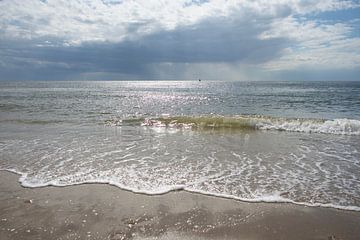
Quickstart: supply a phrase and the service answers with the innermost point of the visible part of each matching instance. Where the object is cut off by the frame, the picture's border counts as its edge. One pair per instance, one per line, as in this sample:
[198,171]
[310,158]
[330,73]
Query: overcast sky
[179,39]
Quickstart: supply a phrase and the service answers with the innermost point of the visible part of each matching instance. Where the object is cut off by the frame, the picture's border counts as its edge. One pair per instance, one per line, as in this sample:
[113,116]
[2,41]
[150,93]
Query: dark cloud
[211,41]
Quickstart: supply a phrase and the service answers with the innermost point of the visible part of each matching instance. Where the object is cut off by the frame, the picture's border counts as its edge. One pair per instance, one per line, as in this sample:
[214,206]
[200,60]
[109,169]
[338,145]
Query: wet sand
[100,211]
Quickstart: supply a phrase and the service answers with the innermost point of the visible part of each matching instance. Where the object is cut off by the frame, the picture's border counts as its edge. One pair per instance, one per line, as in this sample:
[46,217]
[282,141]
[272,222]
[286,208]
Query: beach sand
[100,211]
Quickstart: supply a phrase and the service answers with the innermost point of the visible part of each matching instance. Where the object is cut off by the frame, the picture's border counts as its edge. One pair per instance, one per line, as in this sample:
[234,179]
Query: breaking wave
[248,122]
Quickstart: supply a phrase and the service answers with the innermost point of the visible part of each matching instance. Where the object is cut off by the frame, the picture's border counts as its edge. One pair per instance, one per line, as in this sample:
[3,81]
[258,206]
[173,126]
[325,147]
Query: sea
[291,142]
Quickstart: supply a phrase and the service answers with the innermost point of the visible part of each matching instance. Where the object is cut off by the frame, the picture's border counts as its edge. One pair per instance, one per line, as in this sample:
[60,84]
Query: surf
[342,126]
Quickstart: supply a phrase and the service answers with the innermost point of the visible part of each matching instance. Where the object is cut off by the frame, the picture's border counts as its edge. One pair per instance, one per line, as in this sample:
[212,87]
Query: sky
[243,40]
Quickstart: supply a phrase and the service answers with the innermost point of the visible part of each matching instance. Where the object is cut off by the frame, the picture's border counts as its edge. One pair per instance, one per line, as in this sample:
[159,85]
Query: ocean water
[293,142]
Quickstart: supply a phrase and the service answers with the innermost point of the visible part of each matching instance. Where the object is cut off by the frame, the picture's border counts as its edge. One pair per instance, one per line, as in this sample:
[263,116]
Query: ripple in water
[248,165]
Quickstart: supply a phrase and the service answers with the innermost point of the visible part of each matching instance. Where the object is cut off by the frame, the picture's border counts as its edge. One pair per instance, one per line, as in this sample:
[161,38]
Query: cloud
[173,39]
[317,44]
[75,22]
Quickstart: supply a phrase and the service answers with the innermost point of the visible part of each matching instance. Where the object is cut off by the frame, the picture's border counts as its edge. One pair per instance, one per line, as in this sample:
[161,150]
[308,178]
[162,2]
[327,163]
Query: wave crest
[335,126]
[248,122]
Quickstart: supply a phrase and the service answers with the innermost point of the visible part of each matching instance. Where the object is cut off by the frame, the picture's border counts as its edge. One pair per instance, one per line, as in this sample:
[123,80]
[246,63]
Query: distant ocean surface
[293,142]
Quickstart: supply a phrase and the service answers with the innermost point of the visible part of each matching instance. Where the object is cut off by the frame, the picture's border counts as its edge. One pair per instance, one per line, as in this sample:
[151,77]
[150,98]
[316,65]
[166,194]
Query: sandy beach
[100,211]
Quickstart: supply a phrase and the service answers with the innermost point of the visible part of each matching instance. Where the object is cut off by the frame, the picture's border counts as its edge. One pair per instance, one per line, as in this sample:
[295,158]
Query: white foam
[266,198]
[336,126]
[276,199]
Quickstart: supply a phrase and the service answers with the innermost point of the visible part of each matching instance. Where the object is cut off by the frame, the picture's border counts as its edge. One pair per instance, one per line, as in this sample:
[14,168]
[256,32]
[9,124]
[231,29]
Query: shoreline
[103,211]
[279,200]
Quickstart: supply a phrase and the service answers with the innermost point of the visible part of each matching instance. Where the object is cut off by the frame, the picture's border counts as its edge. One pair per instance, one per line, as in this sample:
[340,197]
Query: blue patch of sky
[339,15]
[356,28]
[350,17]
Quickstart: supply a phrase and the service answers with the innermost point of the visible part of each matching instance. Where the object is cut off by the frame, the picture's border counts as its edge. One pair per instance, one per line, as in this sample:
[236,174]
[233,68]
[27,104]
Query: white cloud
[320,45]
[77,21]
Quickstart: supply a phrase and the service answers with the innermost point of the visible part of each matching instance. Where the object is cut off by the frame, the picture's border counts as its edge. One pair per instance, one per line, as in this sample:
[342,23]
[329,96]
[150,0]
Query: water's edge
[265,199]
